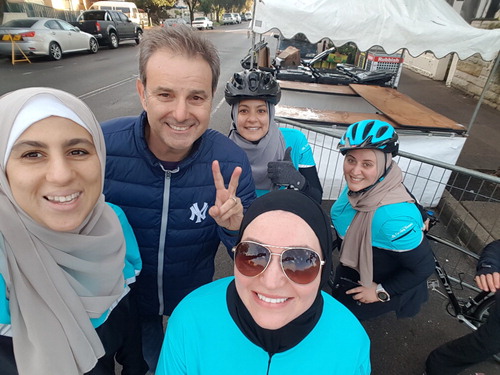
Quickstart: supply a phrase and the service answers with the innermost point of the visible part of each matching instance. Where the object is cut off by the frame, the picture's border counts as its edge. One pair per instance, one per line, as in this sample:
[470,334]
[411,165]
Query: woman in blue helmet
[385,258]
[280,157]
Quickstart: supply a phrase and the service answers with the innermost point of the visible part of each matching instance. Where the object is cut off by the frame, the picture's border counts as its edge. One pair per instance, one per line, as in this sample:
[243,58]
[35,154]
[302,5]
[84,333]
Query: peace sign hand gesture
[228,210]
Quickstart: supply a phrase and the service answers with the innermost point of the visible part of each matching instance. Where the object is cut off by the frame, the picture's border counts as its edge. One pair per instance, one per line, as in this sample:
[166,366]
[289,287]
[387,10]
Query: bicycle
[473,311]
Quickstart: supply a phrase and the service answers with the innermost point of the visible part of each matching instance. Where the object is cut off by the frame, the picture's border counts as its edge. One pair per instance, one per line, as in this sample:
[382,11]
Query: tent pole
[253,35]
[483,93]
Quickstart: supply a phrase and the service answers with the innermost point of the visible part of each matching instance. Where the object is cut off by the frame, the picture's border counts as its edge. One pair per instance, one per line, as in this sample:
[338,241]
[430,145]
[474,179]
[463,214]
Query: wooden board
[403,110]
[330,117]
[317,87]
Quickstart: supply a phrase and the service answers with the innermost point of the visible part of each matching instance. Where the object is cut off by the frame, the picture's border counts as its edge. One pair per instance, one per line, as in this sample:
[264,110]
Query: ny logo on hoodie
[197,213]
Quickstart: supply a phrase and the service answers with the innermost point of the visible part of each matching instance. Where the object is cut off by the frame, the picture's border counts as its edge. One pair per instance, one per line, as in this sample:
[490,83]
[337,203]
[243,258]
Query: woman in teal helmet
[385,258]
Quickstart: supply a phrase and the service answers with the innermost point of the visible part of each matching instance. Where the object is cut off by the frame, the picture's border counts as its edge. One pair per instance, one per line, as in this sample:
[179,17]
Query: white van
[129,9]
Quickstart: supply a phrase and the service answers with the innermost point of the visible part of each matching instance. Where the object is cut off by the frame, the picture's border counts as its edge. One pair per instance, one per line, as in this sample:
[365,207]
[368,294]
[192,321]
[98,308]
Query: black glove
[284,173]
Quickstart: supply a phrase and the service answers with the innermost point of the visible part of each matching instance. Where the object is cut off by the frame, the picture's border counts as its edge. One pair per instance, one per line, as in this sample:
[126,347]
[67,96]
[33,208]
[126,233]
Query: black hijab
[286,337]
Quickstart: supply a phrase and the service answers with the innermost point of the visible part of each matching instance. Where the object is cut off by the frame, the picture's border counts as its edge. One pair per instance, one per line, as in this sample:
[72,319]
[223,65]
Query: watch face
[383,296]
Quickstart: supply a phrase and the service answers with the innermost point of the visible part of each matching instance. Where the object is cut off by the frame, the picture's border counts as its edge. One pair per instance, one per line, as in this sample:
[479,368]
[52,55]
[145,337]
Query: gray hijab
[56,281]
[269,148]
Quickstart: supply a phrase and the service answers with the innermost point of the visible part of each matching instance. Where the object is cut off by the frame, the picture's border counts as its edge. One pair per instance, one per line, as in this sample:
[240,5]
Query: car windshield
[227,16]
[28,22]
[92,16]
[199,19]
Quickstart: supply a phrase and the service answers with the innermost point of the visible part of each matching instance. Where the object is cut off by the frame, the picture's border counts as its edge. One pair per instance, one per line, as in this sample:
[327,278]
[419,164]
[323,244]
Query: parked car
[127,8]
[45,37]
[202,23]
[228,18]
[248,16]
[237,17]
[110,27]
[172,22]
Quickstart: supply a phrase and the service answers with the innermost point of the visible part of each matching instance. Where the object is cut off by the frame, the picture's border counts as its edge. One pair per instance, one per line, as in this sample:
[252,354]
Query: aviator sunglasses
[299,264]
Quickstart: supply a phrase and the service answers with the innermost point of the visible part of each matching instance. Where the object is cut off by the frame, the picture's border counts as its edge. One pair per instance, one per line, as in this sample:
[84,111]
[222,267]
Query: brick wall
[471,74]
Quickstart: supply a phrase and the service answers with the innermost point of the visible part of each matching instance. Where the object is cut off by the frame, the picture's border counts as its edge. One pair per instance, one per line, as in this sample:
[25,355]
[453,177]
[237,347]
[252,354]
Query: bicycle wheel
[482,313]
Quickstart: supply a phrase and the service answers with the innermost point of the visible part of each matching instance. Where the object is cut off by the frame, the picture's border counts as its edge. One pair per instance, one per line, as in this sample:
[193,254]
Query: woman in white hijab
[66,257]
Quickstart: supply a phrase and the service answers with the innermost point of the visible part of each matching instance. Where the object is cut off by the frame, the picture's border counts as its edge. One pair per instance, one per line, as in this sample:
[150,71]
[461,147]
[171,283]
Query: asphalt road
[106,82]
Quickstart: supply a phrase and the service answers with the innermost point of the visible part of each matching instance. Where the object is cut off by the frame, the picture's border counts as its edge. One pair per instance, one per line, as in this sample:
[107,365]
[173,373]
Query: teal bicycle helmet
[374,134]
[252,84]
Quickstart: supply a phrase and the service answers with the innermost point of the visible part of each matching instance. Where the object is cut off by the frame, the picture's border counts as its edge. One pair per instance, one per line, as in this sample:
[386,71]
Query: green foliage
[206,6]
[347,49]
[350,50]
[231,5]
[154,4]
[162,3]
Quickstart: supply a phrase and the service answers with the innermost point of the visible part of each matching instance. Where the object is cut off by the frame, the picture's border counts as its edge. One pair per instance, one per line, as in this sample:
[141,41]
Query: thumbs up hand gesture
[283,172]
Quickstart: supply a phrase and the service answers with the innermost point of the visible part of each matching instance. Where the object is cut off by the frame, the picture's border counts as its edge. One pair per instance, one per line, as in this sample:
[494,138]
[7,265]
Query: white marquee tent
[417,25]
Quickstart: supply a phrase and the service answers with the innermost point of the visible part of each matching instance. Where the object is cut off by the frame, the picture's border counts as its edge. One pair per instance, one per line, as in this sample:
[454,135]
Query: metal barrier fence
[466,202]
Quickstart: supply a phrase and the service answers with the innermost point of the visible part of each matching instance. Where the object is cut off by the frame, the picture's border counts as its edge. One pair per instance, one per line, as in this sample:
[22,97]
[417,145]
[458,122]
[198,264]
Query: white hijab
[56,281]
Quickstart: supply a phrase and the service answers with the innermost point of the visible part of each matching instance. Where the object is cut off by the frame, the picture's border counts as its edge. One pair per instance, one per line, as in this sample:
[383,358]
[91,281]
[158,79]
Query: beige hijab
[56,281]
[356,250]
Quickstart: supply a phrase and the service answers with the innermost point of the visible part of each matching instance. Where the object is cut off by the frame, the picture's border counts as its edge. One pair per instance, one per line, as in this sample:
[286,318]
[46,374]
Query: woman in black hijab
[271,317]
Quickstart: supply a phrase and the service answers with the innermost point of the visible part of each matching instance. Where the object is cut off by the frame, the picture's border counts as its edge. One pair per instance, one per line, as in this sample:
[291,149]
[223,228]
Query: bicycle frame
[463,312]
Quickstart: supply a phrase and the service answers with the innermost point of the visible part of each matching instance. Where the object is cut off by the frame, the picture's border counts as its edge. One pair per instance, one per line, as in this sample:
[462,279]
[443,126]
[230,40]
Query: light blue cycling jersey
[132,267]
[302,156]
[201,340]
[396,226]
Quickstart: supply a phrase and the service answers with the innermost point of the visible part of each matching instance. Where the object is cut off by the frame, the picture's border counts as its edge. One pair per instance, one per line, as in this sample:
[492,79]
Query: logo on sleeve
[198,214]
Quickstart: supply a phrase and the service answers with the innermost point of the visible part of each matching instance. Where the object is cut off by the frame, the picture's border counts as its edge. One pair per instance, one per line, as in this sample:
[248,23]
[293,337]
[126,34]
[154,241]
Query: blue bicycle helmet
[252,84]
[374,134]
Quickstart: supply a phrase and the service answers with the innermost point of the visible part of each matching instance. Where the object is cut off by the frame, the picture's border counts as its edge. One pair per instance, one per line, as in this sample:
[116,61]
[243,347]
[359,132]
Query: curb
[461,223]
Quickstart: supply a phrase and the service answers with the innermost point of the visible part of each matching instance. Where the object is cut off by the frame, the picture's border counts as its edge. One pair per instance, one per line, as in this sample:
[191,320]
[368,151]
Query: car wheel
[138,37]
[94,46]
[113,40]
[55,51]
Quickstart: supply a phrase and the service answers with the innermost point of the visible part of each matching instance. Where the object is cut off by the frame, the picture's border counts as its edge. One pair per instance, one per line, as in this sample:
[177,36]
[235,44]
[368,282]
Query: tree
[249,5]
[155,8]
[233,5]
[206,6]
[192,5]
[220,6]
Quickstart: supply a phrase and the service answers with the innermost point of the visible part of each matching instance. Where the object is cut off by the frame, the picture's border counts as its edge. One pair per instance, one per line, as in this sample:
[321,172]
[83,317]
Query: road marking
[108,87]
[218,106]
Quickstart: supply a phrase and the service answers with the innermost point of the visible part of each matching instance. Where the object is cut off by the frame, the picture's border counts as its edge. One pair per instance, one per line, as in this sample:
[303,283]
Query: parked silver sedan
[44,36]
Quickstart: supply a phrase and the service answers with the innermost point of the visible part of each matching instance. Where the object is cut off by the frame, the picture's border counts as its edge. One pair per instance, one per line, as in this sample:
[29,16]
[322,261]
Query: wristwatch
[382,295]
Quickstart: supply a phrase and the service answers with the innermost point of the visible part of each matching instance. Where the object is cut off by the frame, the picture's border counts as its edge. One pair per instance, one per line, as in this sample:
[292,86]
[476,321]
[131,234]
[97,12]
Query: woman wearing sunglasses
[385,257]
[279,157]
[271,317]
[66,257]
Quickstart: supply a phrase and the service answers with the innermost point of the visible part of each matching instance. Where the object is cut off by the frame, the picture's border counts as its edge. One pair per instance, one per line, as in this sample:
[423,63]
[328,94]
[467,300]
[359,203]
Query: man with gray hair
[168,172]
